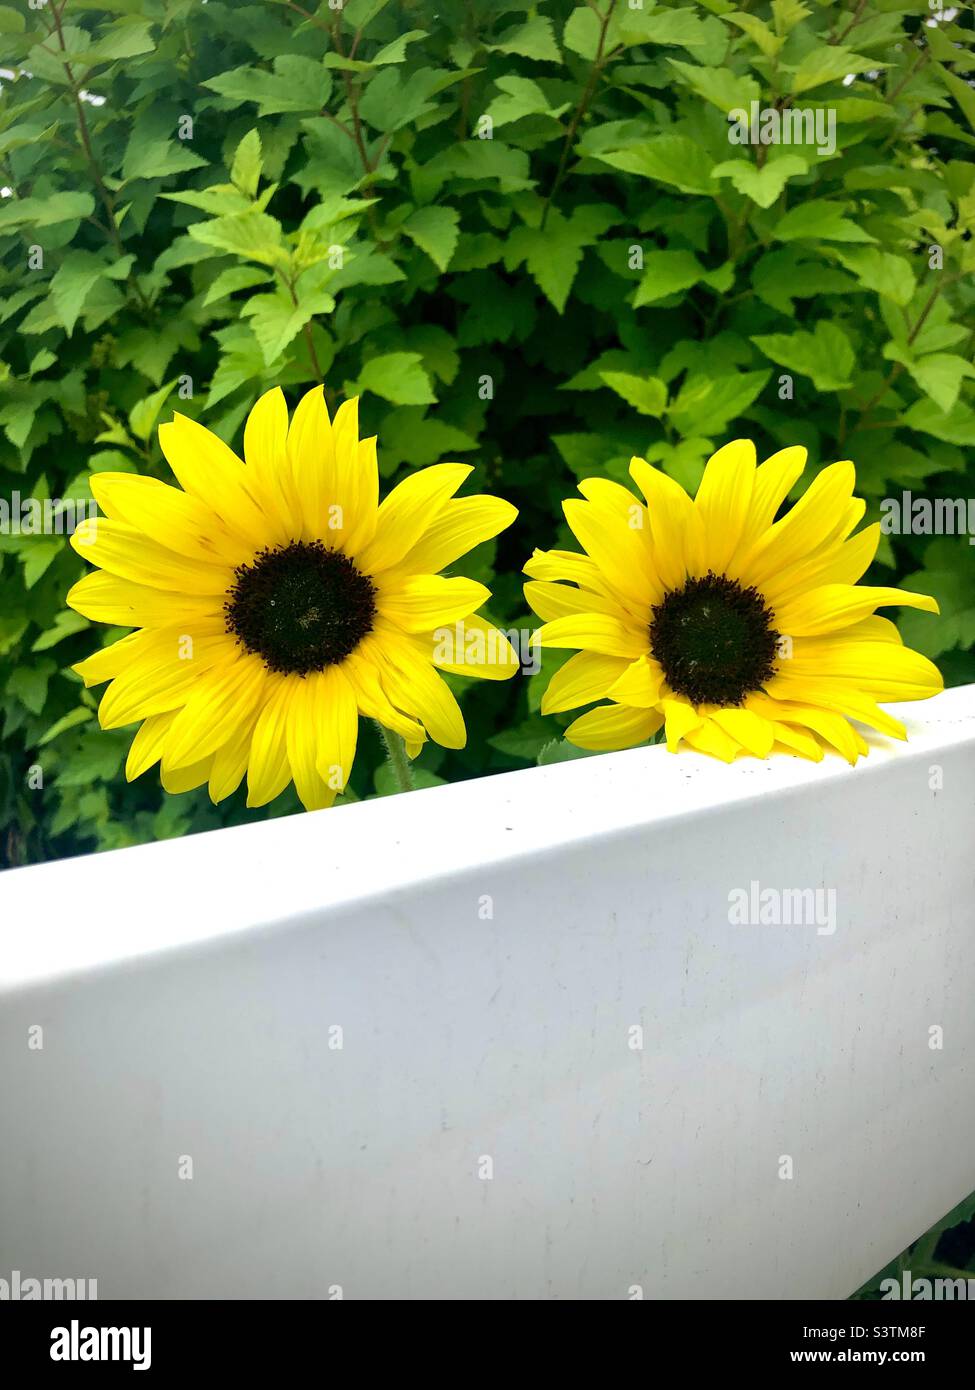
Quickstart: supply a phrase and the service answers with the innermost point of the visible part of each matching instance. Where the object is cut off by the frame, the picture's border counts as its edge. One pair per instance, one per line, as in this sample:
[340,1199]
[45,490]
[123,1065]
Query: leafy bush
[523,232]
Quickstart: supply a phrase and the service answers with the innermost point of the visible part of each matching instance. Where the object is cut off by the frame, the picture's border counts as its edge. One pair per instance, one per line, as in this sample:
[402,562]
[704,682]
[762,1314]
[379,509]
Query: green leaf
[66,623]
[762,185]
[672,159]
[940,376]
[72,283]
[720,86]
[237,277]
[245,172]
[395,52]
[28,684]
[825,354]
[646,395]
[521,97]
[706,403]
[533,39]
[954,426]
[296,84]
[829,64]
[398,377]
[889,275]
[818,220]
[253,235]
[157,159]
[145,413]
[435,231]
[71,720]
[665,273]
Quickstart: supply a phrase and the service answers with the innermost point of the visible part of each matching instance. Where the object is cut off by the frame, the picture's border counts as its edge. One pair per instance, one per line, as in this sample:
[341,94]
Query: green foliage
[207,200]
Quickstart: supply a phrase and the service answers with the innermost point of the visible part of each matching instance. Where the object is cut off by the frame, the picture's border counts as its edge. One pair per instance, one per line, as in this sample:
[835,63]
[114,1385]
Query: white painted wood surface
[487,950]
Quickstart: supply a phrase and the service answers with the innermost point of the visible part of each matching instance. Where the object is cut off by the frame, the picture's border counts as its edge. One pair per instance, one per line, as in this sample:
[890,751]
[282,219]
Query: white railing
[507,1039]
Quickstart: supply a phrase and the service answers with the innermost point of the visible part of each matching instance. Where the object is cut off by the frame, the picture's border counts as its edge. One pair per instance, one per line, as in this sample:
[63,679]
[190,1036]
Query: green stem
[398,760]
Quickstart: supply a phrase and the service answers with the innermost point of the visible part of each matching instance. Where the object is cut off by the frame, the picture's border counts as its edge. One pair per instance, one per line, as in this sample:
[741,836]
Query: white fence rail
[507,1039]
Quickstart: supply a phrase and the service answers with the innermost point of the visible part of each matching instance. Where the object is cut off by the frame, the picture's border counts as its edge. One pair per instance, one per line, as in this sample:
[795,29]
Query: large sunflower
[734,631]
[277,600]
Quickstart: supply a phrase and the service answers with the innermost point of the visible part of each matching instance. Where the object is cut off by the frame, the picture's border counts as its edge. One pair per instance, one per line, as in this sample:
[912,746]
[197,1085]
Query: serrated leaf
[825,354]
[762,185]
[435,231]
[648,395]
[296,84]
[819,220]
[245,172]
[672,159]
[829,63]
[533,39]
[667,272]
[889,275]
[398,377]
[145,413]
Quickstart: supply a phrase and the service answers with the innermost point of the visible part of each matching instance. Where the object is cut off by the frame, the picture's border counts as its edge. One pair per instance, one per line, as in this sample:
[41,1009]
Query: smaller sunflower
[733,631]
[276,599]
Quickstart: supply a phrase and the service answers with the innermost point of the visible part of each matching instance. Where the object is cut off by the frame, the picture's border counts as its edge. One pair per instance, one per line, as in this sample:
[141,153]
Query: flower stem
[397,757]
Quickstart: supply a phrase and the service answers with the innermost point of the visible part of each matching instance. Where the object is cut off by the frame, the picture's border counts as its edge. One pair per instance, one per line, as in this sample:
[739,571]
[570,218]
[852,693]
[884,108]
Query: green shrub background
[488,299]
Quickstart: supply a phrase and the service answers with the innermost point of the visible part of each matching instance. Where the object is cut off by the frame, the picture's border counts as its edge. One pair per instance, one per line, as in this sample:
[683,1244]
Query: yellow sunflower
[734,631]
[277,600]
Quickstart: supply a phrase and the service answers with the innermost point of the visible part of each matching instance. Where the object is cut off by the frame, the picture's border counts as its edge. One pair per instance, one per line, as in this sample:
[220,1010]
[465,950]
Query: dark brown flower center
[301,607]
[714,640]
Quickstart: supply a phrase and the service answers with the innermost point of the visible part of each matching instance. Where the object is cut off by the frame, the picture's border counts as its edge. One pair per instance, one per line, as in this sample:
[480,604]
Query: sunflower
[277,599]
[732,630]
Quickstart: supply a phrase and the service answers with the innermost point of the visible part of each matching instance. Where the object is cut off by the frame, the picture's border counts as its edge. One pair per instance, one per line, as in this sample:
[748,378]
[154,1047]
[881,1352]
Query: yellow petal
[423,602]
[621,552]
[229,762]
[475,647]
[168,516]
[311,454]
[639,684]
[167,671]
[707,737]
[596,632]
[185,779]
[724,498]
[458,527]
[834,606]
[268,769]
[803,529]
[105,598]
[551,601]
[223,698]
[266,455]
[676,526]
[124,551]
[147,746]
[407,512]
[303,746]
[754,733]
[585,677]
[363,671]
[612,727]
[680,716]
[336,724]
[412,683]
[207,469]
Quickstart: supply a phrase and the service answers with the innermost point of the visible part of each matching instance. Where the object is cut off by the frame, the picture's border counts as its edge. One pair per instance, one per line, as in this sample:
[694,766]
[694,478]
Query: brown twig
[589,91]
